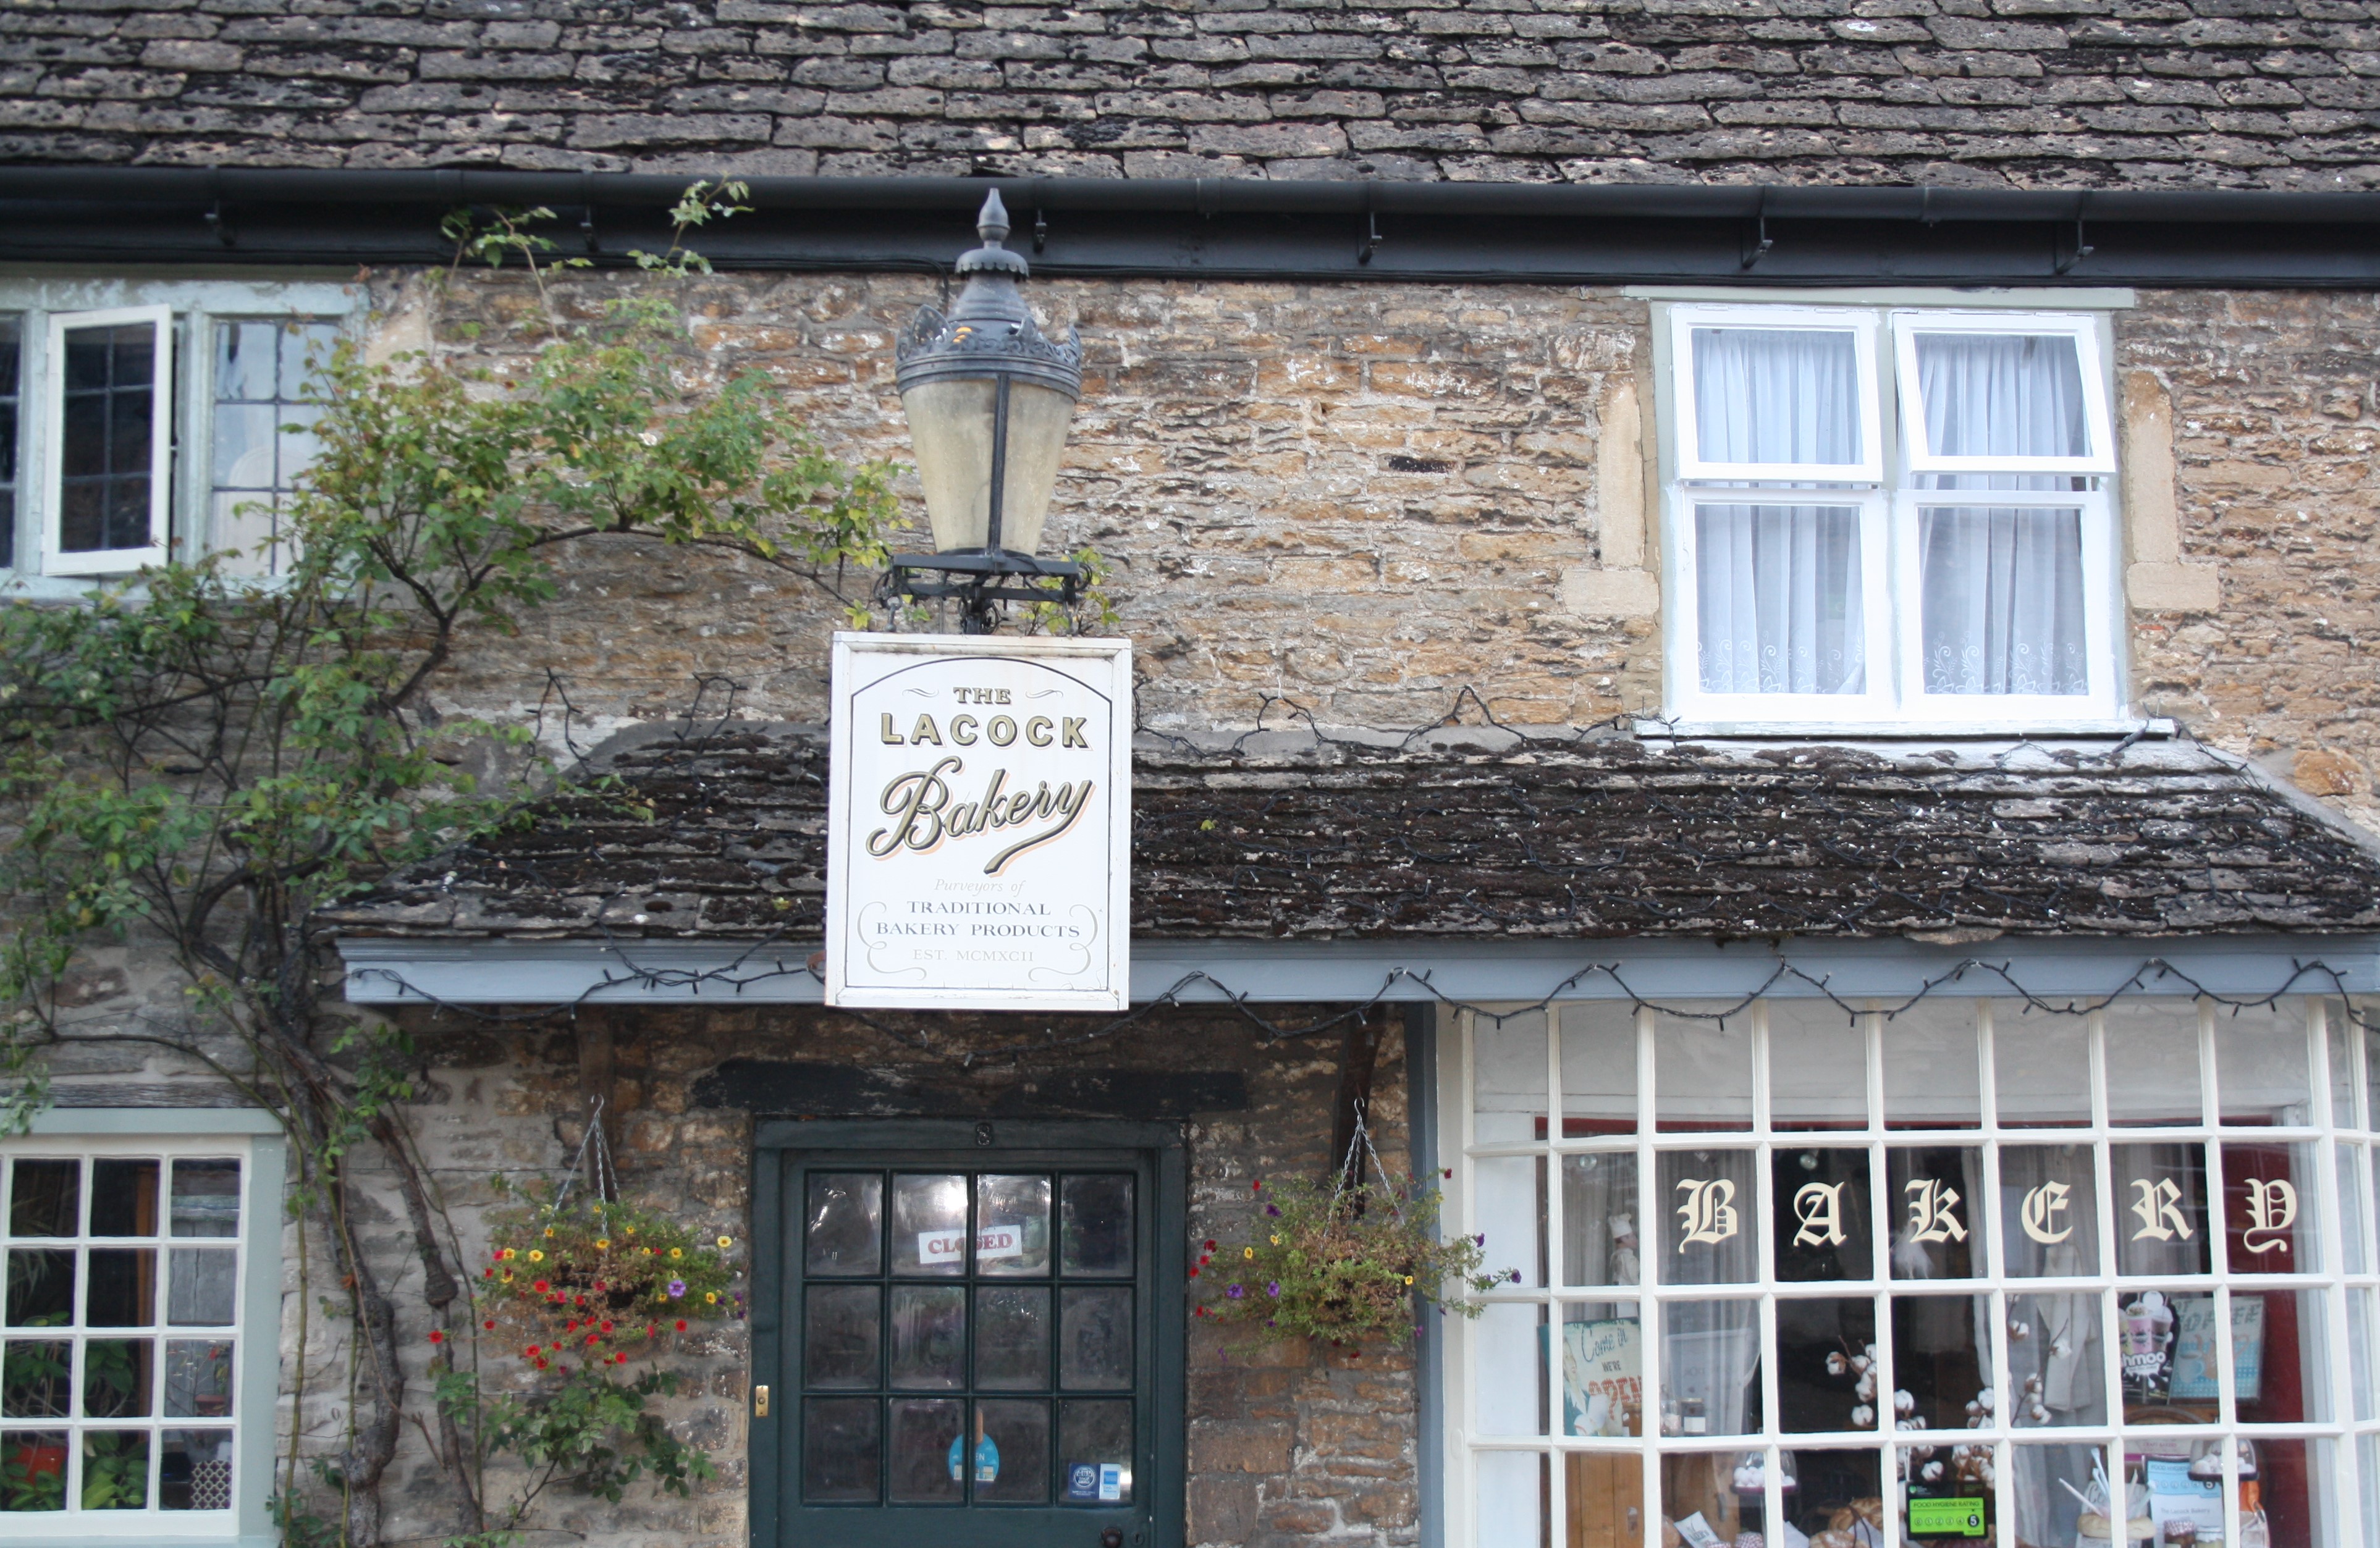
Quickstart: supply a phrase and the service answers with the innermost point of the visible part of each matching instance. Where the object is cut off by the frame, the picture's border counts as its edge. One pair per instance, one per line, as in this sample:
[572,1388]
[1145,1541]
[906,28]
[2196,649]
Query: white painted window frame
[257,1138]
[1895,702]
[2343,1146]
[2099,462]
[56,559]
[197,304]
[1863,324]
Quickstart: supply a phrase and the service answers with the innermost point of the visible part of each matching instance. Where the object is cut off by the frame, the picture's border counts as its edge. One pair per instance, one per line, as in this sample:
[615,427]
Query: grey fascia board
[390,971]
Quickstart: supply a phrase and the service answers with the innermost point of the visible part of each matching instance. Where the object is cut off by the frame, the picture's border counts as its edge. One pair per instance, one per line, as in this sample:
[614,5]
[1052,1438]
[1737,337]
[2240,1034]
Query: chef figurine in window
[1625,1266]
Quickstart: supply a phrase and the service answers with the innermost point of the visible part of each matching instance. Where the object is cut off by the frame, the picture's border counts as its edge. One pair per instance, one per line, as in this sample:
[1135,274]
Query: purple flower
[1273,1210]
[677,1286]
[1516,1276]
[1269,1323]
[1481,1239]
[1273,1289]
[1235,1292]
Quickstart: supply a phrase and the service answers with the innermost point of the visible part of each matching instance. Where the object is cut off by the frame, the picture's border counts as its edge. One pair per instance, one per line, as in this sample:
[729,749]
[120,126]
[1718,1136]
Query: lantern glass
[951,428]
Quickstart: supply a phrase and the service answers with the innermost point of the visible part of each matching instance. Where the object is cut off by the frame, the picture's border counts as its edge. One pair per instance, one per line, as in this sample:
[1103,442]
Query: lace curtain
[1779,593]
[2003,600]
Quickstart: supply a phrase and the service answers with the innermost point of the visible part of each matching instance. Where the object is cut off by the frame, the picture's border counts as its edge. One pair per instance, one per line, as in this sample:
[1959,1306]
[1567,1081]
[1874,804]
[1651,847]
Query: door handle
[1111,1538]
[760,1402]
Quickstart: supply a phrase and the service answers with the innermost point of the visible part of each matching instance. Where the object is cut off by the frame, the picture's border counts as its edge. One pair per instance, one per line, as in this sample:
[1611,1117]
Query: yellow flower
[603,1244]
[677,1251]
[725,1242]
[508,1276]
[1408,1278]
[632,1230]
[510,1254]
[648,1251]
[535,1256]
[549,1233]
[1247,1251]
[711,1297]
[663,1296]
[1276,1242]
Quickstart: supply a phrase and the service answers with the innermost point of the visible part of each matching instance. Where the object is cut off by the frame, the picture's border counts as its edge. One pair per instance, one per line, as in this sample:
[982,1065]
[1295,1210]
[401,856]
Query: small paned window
[112,441]
[1975,1272]
[12,365]
[263,433]
[120,1338]
[1840,560]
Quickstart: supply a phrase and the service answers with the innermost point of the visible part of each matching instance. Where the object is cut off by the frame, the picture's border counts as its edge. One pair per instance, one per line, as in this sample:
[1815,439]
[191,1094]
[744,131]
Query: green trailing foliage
[203,760]
[1346,1262]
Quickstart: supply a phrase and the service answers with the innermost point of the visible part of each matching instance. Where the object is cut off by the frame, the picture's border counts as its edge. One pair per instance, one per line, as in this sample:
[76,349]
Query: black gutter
[1234,228]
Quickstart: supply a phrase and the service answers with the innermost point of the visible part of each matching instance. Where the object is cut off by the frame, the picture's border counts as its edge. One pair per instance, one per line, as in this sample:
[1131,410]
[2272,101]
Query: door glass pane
[1598,1070]
[840,1446]
[1710,1215]
[2152,1063]
[1095,1217]
[1014,1434]
[203,1284]
[194,1470]
[1779,600]
[930,1218]
[1817,1066]
[2160,1208]
[118,1376]
[1826,1364]
[930,1453]
[1095,1451]
[1602,1369]
[115,1469]
[2049,1211]
[1512,1215]
[1933,1193]
[197,1378]
[1822,1229]
[1702,1072]
[1949,1495]
[45,1198]
[1509,1390]
[37,1464]
[1932,1078]
[1838,1491]
[2041,1067]
[124,1288]
[1602,1244]
[929,1337]
[843,1226]
[206,1198]
[2261,1073]
[841,1336]
[1012,1230]
[123,1198]
[1012,1339]
[1095,1339]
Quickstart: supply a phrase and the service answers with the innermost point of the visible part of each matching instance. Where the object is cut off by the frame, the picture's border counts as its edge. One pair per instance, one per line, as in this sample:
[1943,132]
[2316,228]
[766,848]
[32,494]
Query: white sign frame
[884,793]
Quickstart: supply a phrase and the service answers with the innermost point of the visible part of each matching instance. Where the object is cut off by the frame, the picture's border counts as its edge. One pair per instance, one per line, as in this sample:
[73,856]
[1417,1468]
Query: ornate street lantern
[988,398]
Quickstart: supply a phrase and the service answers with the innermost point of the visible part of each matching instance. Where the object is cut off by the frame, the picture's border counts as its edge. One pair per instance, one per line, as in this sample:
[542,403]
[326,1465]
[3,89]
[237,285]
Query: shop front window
[1788,1273]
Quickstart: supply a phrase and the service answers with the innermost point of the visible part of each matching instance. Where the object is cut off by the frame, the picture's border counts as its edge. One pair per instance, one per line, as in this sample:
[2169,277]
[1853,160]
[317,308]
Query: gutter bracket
[587,210]
[1040,230]
[2082,250]
[215,216]
[1371,234]
[1757,249]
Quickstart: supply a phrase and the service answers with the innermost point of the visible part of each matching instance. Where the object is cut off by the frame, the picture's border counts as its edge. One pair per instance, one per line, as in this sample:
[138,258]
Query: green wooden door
[971,1333]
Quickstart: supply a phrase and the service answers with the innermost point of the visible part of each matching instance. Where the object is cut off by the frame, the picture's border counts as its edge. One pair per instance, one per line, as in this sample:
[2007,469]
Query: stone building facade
[1392,492]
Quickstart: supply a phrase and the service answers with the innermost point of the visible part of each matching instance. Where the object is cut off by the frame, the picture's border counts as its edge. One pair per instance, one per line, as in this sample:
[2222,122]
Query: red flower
[1198,1310]
[599,1284]
[651,1331]
[486,1274]
[540,1365]
[490,1325]
[570,1327]
[1194,1271]
[619,1360]
[539,1286]
[1256,1187]
[1211,1244]
[591,1338]
[607,1327]
[681,1325]
[531,1350]
[582,1300]
[436,1336]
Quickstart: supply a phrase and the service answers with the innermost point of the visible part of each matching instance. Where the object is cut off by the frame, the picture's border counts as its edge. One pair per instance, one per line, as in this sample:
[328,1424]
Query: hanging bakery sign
[978,832]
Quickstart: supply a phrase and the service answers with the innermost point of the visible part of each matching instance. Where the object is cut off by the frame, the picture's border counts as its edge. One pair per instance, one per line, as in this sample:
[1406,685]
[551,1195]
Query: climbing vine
[199,763]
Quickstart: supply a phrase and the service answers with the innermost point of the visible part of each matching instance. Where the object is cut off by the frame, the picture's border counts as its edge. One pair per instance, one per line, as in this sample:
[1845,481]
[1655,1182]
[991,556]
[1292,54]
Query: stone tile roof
[1280,837]
[2032,94]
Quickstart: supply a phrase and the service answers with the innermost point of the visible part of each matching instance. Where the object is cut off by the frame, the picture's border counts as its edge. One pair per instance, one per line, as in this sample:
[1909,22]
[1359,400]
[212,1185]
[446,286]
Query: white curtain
[1775,396]
[2003,600]
[1779,587]
[2002,396]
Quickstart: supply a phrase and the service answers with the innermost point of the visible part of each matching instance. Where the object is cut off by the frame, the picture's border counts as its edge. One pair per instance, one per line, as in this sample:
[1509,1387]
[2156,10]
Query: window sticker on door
[991,1242]
[1095,1483]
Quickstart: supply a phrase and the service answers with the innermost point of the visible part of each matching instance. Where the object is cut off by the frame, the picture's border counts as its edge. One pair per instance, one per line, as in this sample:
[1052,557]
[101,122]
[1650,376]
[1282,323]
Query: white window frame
[256,1137]
[1861,325]
[2343,1147]
[56,559]
[195,305]
[2100,461]
[1895,701]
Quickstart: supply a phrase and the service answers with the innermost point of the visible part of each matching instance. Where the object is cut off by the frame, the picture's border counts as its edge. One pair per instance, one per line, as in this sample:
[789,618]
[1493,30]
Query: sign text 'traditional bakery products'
[980,823]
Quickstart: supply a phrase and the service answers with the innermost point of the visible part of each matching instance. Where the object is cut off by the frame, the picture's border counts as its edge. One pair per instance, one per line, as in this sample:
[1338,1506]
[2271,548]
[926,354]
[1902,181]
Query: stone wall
[1286,1443]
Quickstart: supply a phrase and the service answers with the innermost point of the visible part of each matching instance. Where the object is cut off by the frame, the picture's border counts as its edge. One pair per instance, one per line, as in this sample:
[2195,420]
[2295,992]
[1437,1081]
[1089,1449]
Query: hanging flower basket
[589,1280]
[1342,1263]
